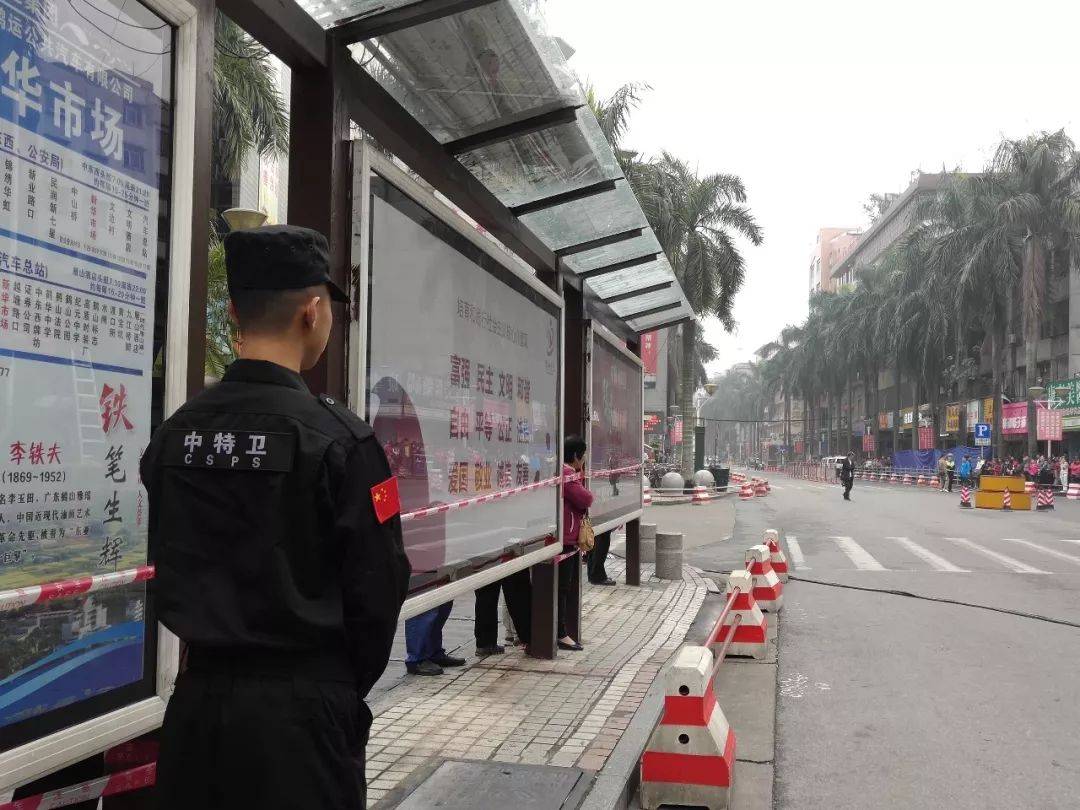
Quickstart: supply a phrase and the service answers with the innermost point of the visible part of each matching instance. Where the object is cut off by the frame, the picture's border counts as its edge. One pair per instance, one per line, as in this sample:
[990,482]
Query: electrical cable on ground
[909,594]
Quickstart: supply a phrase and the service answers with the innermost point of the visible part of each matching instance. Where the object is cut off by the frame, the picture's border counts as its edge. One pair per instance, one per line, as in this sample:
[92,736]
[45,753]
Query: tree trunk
[896,413]
[787,422]
[686,405]
[997,342]
[850,412]
[828,422]
[1035,272]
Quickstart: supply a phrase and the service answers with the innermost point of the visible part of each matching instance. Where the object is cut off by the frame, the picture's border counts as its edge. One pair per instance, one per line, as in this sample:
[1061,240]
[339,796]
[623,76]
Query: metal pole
[723,650]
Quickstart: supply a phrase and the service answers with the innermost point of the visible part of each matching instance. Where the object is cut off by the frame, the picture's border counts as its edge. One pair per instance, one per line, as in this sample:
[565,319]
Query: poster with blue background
[84,148]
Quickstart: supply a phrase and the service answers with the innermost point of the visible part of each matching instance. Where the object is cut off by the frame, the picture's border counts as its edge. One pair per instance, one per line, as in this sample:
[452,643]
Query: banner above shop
[1014,418]
[952,418]
[1049,425]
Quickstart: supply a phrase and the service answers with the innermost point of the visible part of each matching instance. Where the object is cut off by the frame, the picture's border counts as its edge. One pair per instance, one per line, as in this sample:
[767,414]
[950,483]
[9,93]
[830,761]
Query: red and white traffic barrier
[907,479]
[646,496]
[1006,500]
[700,496]
[746,491]
[34,594]
[1029,487]
[768,590]
[1046,500]
[776,555]
[748,627]
[123,782]
[760,488]
[501,494]
[1073,493]
[965,496]
[615,471]
[690,757]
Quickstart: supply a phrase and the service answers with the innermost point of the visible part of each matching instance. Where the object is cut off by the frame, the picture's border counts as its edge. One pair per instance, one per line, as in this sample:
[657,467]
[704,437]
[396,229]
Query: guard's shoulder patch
[228,450]
[353,423]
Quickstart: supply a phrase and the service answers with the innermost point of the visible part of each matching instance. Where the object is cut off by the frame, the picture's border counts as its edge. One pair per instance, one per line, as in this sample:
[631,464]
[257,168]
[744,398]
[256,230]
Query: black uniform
[275,569]
[847,477]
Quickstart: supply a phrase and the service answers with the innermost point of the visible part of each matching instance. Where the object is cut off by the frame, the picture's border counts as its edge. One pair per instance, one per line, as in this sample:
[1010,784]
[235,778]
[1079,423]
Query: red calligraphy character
[487,426]
[18,452]
[37,453]
[54,453]
[113,404]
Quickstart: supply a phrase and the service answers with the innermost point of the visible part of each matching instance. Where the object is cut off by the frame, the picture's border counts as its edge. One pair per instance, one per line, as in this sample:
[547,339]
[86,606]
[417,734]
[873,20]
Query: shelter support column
[633,527]
[319,182]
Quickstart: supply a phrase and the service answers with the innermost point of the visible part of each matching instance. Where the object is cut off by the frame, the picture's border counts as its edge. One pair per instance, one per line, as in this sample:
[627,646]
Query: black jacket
[847,470]
[263,530]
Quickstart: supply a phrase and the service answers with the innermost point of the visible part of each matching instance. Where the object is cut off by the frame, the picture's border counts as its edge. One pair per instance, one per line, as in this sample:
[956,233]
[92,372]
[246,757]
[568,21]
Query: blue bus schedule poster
[83,93]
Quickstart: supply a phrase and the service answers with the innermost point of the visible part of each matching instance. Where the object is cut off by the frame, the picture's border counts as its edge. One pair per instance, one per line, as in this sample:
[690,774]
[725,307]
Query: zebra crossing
[940,555]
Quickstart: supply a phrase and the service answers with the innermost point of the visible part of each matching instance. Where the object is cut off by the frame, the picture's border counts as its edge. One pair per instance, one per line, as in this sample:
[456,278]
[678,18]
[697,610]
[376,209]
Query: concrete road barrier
[768,590]
[647,542]
[669,555]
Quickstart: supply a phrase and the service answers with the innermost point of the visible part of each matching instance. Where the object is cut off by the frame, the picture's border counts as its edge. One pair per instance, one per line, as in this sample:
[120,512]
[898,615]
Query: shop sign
[1048,424]
[926,438]
[1063,394]
[1014,418]
[974,412]
[952,418]
[987,410]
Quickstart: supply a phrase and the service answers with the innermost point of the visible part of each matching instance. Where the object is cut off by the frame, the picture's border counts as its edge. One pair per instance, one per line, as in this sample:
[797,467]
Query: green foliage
[219,328]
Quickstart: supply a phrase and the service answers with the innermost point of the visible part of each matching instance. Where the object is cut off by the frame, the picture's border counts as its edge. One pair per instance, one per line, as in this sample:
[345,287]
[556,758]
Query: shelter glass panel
[581,220]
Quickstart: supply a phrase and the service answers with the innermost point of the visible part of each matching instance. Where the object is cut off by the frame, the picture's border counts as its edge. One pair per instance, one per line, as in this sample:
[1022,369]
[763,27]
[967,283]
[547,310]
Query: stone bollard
[647,542]
[669,555]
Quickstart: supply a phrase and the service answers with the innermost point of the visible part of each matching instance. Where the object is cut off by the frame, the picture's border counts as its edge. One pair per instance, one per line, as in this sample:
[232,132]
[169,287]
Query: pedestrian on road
[576,502]
[595,559]
[941,474]
[1074,471]
[847,475]
[274,527]
[950,470]
[1063,472]
[965,471]
[517,590]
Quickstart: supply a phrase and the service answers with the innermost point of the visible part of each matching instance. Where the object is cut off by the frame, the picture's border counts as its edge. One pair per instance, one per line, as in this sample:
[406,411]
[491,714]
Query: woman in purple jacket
[576,502]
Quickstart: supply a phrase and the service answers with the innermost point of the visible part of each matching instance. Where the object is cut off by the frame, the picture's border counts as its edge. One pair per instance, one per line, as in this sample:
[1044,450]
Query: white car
[835,462]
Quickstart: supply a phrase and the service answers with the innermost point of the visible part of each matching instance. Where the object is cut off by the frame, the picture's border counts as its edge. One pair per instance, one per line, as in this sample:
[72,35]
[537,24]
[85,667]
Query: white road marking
[859,556]
[1061,555]
[1008,562]
[797,558]
[1063,540]
[925,554]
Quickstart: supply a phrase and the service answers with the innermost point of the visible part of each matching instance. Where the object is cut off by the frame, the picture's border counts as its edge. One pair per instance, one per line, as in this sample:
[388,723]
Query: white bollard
[752,630]
[776,554]
[690,757]
[669,556]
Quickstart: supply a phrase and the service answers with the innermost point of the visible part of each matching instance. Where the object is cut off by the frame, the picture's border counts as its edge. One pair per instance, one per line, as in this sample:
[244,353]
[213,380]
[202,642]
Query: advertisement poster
[462,388]
[952,418]
[885,420]
[926,438]
[82,131]
[615,441]
[988,410]
[1048,424]
[649,349]
[974,412]
[1014,418]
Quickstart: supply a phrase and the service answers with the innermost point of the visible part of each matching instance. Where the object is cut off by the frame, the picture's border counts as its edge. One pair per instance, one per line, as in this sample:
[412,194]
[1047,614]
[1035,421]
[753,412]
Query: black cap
[279,257]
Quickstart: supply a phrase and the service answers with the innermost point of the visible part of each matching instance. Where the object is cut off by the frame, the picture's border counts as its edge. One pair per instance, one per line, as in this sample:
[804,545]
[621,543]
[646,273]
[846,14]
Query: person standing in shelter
[847,475]
[576,502]
[274,527]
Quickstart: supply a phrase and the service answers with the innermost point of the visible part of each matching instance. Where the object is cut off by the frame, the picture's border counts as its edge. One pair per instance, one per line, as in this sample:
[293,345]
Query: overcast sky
[817,104]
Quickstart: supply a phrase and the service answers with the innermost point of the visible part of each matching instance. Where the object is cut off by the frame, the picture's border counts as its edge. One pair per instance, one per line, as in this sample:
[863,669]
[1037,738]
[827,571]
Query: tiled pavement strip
[569,711]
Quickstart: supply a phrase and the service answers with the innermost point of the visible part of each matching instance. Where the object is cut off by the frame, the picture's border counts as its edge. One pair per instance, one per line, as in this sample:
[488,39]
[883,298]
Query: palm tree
[695,219]
[1043,206]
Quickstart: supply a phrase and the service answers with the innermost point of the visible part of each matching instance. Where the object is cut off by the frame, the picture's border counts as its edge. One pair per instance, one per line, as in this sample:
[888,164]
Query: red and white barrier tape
[134,779]
[616,471]
[33,594]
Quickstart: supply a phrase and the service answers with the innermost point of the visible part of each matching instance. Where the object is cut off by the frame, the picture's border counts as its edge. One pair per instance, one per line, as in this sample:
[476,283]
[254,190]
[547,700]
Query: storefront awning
[490,85]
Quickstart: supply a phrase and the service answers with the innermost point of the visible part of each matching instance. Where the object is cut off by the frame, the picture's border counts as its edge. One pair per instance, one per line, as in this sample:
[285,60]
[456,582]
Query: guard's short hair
[573,448]
[267,311]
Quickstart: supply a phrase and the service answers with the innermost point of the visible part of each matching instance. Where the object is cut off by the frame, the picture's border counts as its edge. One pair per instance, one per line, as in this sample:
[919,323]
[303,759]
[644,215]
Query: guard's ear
[311,312]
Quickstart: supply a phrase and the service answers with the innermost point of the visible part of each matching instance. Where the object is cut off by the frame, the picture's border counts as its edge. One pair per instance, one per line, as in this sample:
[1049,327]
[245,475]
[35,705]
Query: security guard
[275,531]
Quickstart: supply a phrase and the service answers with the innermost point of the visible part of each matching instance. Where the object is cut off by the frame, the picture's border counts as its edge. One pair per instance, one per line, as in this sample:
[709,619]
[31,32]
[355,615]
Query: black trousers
[596,558]
[518,592]
[275,743]
[848,483]
[569,577]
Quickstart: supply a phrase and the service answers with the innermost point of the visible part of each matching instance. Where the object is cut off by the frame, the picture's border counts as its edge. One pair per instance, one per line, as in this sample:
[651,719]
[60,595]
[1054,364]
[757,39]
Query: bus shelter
[500,269]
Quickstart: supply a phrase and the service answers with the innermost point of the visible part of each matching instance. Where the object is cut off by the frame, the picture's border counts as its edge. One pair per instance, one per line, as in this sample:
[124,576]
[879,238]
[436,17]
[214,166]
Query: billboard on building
[84,122]
[952,418]
[461,383]
[615,438]
[649,350]
[1013,418]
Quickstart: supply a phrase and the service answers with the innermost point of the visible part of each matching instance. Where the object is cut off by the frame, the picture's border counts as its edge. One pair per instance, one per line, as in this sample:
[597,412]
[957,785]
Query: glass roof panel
[621,282]
[614,253]
[330,12]
[472,71]
[592,218]
[667,316]
[547,162]
[651,300]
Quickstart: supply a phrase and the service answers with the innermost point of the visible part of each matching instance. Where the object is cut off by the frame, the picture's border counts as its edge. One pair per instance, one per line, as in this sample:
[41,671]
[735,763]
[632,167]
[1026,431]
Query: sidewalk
[569,712]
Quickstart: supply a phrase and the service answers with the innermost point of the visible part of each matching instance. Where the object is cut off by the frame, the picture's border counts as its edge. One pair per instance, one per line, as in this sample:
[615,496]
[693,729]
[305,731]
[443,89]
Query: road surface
[889,701]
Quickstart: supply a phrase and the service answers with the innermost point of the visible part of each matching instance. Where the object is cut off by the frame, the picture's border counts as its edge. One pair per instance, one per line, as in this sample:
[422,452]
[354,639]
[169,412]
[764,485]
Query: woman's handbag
[586,538]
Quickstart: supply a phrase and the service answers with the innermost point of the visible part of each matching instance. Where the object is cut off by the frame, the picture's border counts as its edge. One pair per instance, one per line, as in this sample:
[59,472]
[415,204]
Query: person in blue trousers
[424,643]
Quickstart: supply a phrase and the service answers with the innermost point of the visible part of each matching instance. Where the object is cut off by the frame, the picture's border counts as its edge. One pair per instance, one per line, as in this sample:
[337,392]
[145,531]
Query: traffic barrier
[1046,500]
[700,496]
[965,496]
[924,480]
[759,489]
[768,590]
[747,633]
[746,491]
[1006,501]
[1029,487]
[895,478]
[92,790]
[776,555]
[907,479]
[690,756]
[646,496]
[1074,492]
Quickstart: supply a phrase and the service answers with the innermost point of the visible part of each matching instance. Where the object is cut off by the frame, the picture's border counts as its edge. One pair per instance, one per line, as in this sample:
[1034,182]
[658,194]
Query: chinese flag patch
[384,497]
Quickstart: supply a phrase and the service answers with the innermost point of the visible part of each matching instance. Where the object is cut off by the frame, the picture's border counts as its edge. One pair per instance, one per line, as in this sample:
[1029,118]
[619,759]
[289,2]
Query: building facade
[833,245]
